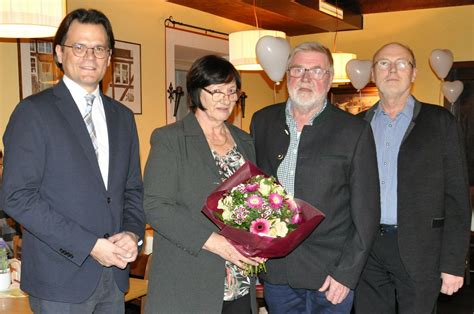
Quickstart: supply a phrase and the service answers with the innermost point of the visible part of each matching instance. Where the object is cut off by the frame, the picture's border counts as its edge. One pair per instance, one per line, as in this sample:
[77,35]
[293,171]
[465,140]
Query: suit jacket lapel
[112,131]
[72,115]
[243,144]
[195,137]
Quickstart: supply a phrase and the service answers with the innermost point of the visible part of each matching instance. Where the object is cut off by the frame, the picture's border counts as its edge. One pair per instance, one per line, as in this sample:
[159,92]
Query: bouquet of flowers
[257,216]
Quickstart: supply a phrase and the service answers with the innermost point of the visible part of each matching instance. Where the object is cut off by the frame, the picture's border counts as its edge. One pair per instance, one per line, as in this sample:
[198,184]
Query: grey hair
[311,46]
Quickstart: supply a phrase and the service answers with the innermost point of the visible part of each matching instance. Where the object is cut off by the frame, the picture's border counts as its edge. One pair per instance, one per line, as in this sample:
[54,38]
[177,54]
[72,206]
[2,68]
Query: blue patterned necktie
[89,123]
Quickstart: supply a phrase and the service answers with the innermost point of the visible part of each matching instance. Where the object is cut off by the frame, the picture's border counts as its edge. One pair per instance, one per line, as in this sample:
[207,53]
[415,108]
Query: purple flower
[275,200]
[260,226]
[254,201]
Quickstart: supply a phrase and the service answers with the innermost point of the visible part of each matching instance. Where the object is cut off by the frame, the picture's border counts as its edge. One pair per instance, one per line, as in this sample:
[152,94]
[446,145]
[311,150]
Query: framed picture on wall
[122,81]
[349,99]
[36,66]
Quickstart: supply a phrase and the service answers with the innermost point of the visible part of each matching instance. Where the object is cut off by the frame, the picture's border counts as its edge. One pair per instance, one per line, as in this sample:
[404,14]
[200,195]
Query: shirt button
[385,163]
[387,144]
[389,125]
[383,182]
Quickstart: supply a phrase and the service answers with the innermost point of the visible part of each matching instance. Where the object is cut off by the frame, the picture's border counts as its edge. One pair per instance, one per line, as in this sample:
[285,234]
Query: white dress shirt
[99,120]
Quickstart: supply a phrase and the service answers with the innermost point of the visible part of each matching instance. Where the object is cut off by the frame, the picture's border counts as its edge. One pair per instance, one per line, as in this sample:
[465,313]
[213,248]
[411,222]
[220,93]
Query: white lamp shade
[242,48]
[340,59]
[30,18]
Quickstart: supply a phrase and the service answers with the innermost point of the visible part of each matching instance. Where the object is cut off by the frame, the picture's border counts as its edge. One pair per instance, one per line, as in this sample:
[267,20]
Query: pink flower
[291,204]
[254,201]
[275,200]
[252,187]
[297,218]
[259,226]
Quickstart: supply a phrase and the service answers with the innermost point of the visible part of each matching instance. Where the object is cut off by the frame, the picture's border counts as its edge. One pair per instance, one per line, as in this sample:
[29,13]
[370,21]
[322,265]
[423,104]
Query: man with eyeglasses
[326,157]
[422,243]
[72,178]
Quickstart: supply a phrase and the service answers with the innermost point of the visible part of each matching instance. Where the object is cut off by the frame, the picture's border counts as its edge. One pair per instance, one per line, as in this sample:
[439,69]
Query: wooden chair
[137,292]
[17,246]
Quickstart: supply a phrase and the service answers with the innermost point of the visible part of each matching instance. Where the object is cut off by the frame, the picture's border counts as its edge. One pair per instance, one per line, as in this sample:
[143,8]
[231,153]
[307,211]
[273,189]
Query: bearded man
[326,157]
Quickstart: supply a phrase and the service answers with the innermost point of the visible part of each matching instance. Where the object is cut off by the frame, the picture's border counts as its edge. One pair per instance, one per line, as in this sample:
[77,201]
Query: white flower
[225,203]
[279,189]
[278,228]
[265,187]
[227,214]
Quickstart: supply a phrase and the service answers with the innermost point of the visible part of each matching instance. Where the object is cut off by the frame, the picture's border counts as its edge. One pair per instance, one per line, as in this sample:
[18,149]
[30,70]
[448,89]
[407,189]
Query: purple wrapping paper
[251,244]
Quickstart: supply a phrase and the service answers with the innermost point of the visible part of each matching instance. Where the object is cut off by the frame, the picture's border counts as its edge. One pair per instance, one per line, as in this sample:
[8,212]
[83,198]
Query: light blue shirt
[388,135]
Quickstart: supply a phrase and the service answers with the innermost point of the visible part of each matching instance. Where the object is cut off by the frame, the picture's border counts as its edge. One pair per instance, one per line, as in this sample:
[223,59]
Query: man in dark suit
[326,157]
[424,227]
[72,178]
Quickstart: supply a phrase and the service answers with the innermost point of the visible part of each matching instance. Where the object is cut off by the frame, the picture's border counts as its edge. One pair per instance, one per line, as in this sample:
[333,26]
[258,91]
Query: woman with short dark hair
[196,270]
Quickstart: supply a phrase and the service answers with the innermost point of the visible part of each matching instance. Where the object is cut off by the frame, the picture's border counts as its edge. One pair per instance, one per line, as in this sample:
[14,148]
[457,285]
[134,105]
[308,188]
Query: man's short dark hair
[84,16]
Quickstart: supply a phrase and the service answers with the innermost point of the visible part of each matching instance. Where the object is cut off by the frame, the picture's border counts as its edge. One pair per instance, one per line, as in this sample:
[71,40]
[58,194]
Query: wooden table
[138,288]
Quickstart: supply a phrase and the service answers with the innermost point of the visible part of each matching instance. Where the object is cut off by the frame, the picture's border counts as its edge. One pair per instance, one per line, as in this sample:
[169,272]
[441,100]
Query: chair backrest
[17,246]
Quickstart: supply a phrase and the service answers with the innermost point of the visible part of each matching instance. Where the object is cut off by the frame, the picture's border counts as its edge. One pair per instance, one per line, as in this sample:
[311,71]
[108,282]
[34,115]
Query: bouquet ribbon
[251,244]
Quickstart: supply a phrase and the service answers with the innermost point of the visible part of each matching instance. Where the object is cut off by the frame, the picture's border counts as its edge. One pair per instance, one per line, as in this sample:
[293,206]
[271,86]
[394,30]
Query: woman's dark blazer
[180,173]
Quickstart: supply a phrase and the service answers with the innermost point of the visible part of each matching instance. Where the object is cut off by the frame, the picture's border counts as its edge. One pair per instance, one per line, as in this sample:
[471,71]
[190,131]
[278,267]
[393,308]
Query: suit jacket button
[108,200]
[280,156]
[106,235]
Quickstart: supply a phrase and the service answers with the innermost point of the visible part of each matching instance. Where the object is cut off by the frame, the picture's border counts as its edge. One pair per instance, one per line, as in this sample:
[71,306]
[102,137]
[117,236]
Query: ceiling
[298,17]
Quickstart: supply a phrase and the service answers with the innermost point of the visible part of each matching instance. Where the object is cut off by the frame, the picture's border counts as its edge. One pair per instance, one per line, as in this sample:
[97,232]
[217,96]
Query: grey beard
[317,101]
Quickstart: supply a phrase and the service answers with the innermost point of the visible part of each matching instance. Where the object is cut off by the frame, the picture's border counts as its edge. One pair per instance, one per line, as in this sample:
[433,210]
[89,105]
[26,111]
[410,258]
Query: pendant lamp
[242,48]
[340,60]
[30,18]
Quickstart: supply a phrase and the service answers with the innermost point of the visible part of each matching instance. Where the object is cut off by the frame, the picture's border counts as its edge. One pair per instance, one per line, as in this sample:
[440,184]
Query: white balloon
[359,72]
[441,61]
[272,53]
[452,90]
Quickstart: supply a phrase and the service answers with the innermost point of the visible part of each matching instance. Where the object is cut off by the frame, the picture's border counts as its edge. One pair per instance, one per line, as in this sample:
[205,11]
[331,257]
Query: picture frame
[121,82]
[349,99]
[37,70]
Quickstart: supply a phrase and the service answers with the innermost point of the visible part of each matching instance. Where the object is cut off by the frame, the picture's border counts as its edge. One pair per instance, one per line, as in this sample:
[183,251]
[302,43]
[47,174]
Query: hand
[128,241]
[335,291]
[107,254]
[219,245]
[450,283]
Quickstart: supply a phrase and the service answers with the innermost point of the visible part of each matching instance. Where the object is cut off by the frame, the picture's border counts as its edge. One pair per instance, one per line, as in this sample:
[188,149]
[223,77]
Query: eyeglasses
[314,73]
[217,95]
[400,64]
[80,50]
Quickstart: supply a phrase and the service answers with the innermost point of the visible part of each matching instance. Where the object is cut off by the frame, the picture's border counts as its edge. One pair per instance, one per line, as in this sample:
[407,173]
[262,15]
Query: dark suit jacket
[336,171]
[53,187]
[179,175]
[433,194]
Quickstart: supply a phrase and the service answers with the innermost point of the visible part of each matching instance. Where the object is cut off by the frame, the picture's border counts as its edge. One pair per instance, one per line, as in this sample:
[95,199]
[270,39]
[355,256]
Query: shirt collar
[289,112]
[76,90]
[407,111]
[78,93]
